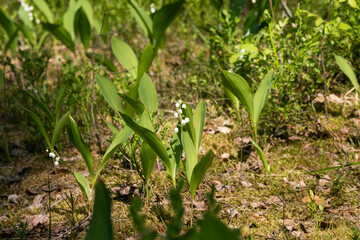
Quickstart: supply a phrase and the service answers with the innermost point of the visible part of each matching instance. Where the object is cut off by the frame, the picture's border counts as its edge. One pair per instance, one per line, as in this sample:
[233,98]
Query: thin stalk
[49,208]
[147,196]
[273,46]
[191,212]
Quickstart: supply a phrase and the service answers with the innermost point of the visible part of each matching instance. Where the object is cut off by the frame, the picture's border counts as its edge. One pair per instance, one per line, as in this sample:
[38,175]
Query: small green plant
[317,211]
[57,122]
[254,104]
[349,72]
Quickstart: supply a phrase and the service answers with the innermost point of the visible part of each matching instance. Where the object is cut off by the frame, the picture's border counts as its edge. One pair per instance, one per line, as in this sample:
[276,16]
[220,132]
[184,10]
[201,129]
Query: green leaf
[346,68]
[39,125]
[261,155]
[82,26]
[241,89]
[109,92]
[119,138]
[59,125]
[353,4]
[137,105]
[69,18]
[125,55]
[262,94]
[145,61]
[190,126]
[60,33]
[9,27]
[199,171]
[75,138]
[142,18]
[88,10]
[150,137]
[59,100]
[174,151]
[101,225]
[333,168]
[102,60]
[148,94]
[190,153]
[234,100]
[148,159]
[41,105]
[144,121]
[164,17]
[43,7]
[83,184]
[28,34]
[198,122]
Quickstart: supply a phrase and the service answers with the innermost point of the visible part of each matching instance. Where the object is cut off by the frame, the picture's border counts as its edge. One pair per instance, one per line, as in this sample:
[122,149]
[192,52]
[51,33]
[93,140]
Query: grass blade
[261,155]
[83,184]
[190,153]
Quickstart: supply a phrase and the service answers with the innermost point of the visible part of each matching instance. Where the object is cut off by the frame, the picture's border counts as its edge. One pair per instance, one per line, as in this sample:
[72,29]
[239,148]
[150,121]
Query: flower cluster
[29,9]
[179,114]
[57,159]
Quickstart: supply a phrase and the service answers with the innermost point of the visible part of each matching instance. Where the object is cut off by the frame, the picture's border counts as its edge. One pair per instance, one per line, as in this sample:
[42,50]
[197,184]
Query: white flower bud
[56,163]
[183,106]
[183,122]
[176,130]
[176,115]
[180,102]
[57,159]
[37,21]
[242,50]
[179,111]
[187,120]
[177,105]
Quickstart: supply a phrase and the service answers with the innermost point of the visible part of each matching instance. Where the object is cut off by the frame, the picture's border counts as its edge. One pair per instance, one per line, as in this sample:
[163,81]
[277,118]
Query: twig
[287,10]
[92,86]
[325,74]
[74,228]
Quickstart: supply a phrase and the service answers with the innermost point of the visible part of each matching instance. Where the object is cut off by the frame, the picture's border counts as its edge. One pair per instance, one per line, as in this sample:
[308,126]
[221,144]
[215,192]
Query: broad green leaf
[83,184]
[83,28]
[198,122]
[109,92]
[199,171]
[262,94]
[69,18]
[125,55]
[43,7]
[261,155]
[144,121]
[24,16]
[212,228]
[190,153]
[353,4]
[136,104]
[41,105]
[148,159]
[12,43]
[190,126]
[150,137]
[102,60]
[59,100]
[88,10]
[241,89]
[142,18]
[133,93]
[60,33]
[145,61]
[9,27]
[59,125]
[174,151]
[28,34]
[39,125]
[234,100]
[75,138]
[346,68]
[113,129]
[148,94]
[101,225]
[119,138]
[164,17]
